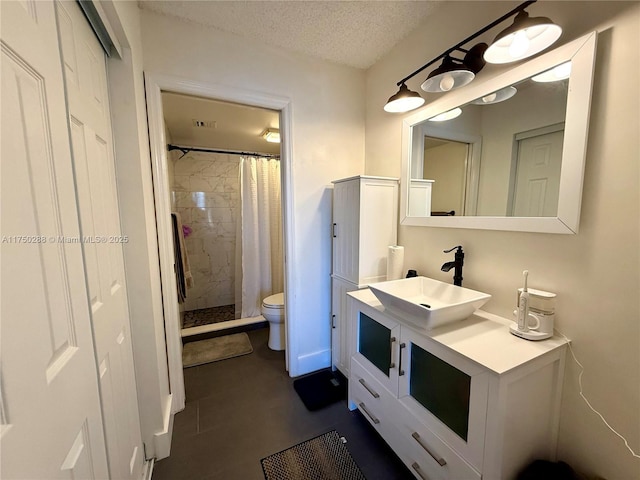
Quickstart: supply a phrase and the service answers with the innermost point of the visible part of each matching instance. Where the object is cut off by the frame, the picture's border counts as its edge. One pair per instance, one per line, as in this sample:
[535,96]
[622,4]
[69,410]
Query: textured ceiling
[354,33]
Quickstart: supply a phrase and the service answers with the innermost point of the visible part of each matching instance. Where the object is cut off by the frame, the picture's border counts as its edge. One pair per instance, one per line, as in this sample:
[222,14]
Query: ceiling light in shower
[271,135]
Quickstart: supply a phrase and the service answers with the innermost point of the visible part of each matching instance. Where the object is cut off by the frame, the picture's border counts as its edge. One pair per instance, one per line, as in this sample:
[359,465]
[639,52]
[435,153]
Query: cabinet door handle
[418,470]
[373,393]
[441,461]
[364,409]
[392,340]
[333,321]
[400,370]
[333,232]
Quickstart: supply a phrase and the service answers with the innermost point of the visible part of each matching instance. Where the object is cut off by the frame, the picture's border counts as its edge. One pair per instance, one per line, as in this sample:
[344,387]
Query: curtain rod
[186,150]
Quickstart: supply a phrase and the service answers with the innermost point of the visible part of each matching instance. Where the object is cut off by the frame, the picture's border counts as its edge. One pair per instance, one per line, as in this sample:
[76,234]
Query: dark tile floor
[243,409]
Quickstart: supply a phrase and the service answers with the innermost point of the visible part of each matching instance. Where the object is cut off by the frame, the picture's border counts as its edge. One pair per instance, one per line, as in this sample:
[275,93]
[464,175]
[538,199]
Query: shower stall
[228,207]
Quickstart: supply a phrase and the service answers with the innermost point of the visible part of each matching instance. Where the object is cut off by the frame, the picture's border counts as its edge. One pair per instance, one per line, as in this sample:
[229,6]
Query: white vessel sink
[428,303]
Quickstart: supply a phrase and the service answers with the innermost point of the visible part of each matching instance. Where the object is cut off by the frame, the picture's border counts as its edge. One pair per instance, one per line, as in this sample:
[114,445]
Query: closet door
[50,419]
[92,149]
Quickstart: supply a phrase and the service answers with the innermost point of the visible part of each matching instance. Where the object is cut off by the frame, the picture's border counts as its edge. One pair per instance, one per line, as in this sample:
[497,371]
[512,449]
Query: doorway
[155,85]
[225,193]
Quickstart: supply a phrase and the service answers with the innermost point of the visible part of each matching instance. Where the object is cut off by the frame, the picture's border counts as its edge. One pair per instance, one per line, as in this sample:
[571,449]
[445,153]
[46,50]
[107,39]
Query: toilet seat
[275,301]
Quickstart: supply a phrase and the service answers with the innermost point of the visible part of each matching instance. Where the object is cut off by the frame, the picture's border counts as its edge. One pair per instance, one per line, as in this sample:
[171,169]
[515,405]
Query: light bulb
[449,115]
[489,98]
[447,83]
[519,45]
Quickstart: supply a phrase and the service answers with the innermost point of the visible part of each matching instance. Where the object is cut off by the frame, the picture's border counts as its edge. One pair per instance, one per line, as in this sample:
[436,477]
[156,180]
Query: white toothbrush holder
[541,317]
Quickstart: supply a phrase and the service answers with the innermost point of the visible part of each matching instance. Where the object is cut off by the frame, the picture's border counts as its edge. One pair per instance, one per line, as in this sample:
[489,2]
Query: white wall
[328,143]
[596,272]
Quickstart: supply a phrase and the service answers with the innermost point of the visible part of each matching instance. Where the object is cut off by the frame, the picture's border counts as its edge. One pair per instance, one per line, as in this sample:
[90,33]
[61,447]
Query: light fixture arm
[518,9]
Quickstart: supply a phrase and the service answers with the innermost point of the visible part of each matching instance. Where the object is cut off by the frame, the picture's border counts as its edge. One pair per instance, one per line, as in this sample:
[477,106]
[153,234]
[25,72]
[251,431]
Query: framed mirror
[506,153]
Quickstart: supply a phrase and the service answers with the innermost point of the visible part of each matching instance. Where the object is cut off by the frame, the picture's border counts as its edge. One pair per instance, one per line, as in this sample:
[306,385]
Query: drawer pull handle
[373,393]
[364,409]
[416,467]
[441,461]
[392,340]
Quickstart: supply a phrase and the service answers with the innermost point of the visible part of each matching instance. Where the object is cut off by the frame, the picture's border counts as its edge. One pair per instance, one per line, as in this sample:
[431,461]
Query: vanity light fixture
[448,115]
[271,135]
[524,38]
[496,97]
[404,100]
[561,72]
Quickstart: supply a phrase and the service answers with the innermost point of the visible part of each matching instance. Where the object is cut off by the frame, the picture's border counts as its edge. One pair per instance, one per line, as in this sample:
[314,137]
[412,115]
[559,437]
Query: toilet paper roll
[395,262]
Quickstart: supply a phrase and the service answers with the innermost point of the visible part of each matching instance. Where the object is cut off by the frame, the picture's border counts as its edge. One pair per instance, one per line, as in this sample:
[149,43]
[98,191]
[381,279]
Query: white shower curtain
[261,232]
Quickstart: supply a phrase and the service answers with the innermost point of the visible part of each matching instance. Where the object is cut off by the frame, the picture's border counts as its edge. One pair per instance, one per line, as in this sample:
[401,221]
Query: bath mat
[214,349]
[320,389]
[322,458]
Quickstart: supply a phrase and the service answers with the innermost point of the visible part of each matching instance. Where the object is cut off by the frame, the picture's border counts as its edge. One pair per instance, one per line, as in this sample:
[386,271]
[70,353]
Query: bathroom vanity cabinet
[365,223]
[463,401]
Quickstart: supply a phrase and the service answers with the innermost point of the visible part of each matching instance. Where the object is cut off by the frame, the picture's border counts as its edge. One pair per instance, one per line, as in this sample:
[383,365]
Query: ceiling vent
[204,123]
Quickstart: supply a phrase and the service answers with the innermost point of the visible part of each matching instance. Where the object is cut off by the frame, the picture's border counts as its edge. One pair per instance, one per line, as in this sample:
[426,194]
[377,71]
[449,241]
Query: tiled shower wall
[206,194]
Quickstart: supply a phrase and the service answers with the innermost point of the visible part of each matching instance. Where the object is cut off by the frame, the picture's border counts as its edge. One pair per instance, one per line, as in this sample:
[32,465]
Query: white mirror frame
[581,53]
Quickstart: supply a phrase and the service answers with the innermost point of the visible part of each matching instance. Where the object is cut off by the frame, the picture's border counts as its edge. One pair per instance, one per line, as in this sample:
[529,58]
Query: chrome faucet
[457,264]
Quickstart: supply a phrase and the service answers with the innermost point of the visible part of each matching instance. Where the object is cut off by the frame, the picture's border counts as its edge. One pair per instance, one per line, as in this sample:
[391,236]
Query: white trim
[115,41]
[155,84]
[147,473]
[162,439]
[215,327]
[314,361]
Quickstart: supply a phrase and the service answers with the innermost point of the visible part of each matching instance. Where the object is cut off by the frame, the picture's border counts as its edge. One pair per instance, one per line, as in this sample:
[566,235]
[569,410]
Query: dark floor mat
[321,458]
[320,389]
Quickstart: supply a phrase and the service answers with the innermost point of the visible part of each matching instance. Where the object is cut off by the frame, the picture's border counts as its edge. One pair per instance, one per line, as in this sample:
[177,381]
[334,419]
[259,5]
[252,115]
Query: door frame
[154,85]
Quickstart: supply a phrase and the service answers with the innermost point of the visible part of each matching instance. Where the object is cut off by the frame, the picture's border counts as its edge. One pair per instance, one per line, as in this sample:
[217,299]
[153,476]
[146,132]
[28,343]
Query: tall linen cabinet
[365,223]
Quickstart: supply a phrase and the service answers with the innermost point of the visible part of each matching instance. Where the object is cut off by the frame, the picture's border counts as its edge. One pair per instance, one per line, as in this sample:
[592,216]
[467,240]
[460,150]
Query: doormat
[215,349]
[320,389]
[322,458]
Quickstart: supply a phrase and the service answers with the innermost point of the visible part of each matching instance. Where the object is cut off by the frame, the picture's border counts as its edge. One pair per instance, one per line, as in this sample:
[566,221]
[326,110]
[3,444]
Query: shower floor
[208,316]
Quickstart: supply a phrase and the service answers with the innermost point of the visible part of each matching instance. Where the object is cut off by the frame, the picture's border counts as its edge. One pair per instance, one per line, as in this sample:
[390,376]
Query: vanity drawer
[426,455]
[371,398]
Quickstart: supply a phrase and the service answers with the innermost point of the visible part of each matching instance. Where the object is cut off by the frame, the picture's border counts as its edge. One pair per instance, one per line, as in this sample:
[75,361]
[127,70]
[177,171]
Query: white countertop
[483,338]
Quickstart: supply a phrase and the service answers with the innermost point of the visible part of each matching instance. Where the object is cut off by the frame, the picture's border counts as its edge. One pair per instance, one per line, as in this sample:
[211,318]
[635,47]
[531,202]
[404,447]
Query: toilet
[273,311]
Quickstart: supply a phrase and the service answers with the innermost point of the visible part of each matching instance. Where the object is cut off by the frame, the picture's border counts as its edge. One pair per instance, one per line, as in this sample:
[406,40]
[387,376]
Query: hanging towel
[184,279]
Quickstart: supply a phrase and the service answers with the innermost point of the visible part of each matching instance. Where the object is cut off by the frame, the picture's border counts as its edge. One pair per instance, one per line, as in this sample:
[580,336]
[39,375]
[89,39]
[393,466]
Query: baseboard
[313,361]
[162,440]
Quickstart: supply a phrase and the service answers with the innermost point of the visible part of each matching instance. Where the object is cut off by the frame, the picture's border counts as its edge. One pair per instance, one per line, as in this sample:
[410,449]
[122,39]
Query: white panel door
[50,419]
[538,175]
[91,141]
